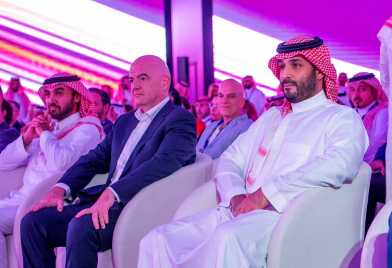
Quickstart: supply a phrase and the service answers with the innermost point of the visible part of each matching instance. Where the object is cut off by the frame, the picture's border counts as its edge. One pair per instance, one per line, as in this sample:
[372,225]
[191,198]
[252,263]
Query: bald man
[220,134]
[143,147]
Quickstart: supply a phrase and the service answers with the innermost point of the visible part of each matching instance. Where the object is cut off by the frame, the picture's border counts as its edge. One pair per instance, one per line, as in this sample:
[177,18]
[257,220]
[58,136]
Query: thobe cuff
[66,188]
[275,198]
[115,194]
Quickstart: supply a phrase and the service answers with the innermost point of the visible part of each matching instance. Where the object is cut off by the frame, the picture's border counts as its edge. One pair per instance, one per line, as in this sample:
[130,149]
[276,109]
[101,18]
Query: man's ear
[165,82]
[319,75]
[77,98]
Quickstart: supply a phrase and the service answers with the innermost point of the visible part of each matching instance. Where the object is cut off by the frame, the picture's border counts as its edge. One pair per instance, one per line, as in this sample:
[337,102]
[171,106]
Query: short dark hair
[6,106]
[104,96]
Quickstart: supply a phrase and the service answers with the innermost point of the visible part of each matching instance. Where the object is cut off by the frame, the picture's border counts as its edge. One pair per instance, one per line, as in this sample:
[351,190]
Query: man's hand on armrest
[54,198]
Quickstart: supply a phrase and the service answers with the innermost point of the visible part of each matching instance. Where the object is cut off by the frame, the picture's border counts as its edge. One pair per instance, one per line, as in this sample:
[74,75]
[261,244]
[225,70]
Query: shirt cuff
[65,187]
[115,194]
[275,198]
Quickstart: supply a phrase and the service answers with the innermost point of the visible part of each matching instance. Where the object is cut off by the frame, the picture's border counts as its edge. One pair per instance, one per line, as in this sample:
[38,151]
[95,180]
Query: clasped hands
[35,128]
[245,203]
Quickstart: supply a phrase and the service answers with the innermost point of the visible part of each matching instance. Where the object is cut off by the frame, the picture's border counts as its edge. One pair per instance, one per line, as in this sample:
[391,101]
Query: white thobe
[47,156]
[319,144]
[385,37]
[378,132]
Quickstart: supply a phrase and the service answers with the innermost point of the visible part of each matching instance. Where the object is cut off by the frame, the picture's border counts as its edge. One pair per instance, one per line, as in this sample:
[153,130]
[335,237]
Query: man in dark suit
[143,147]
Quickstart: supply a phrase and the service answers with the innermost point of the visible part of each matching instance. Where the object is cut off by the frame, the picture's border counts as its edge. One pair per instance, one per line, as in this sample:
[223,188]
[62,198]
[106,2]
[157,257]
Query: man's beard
[303,89]
[59,113]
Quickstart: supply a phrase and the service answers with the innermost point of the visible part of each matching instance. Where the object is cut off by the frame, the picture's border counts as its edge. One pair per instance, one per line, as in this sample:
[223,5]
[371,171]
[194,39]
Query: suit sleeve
[96,161]
[176,150]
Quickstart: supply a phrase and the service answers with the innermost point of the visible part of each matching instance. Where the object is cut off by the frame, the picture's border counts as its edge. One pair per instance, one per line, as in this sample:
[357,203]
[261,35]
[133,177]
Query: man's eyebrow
[142,74]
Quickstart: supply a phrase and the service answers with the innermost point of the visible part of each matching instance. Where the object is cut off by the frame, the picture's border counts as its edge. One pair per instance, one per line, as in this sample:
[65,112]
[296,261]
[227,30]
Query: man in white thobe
[370,101]
[48,148]
[309,142]
[253,95]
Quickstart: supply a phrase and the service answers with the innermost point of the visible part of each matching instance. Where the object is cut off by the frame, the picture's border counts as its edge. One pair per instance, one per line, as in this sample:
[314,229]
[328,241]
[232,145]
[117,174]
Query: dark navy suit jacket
[167,145]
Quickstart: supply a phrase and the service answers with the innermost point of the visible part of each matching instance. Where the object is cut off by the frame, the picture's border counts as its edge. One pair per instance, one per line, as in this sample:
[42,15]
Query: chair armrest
[322,227]
[201,199]
[153,206]
[11,181]
[374,251]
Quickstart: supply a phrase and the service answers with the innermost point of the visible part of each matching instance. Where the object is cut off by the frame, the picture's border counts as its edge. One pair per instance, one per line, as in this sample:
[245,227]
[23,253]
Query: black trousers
[47,228]
[376,194]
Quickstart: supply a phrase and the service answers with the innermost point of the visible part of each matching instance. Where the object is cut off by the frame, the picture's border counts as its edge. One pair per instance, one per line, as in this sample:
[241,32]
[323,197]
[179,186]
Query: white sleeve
[14,155]
[347,142]
[230,171]
[60,154]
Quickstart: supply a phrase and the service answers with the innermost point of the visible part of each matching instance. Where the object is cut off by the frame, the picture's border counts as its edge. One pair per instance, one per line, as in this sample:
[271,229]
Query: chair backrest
[37,193]
[374,251]
[323,227]
[153,206]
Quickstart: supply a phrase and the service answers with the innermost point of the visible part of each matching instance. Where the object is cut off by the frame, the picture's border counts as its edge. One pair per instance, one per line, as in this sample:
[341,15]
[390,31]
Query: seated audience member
[286,152]
[48,148]
[123,95]
[16,93]
[250,110]
[143,147]
[377,189]
[177,99]
[202,109]
[183,89]
[343,90]
[371,103]
[213,90]
[215,113]
[15,123]
[108,90]
[100,107]
[220,134]
[7,134]
[253,95]
[33,111]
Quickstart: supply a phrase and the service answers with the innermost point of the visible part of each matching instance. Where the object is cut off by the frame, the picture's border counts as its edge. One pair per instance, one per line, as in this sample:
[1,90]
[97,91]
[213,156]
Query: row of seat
[322,228]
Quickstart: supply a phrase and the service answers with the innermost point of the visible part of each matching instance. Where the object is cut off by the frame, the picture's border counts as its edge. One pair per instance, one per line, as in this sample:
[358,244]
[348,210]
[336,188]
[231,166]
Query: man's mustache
[287,81]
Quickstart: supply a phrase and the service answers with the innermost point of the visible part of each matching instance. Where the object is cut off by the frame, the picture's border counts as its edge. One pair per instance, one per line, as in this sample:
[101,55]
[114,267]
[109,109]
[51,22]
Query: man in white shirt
[370,101]
[287,151]
[47,148]
[144,146]
[253,95]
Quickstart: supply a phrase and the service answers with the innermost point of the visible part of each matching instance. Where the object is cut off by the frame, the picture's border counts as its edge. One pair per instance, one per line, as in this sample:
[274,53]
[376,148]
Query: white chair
[152,206]
[374,252]
[323,227]
[10,181]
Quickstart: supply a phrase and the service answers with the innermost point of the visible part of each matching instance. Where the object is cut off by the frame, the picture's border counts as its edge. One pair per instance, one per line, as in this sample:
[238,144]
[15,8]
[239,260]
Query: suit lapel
[156,122]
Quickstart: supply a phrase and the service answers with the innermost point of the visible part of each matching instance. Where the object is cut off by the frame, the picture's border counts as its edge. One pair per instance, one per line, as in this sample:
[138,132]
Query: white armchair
[151,207]
[374,252]
[11,181]
[324,227]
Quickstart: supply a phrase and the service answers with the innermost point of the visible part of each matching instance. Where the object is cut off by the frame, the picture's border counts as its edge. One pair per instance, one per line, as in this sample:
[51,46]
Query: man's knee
[223,234]
[28,222]
[80,230]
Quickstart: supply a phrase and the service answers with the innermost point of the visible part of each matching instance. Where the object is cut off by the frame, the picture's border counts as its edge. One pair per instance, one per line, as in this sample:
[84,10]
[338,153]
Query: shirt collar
[150,114]
[310,103]
[68,121]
